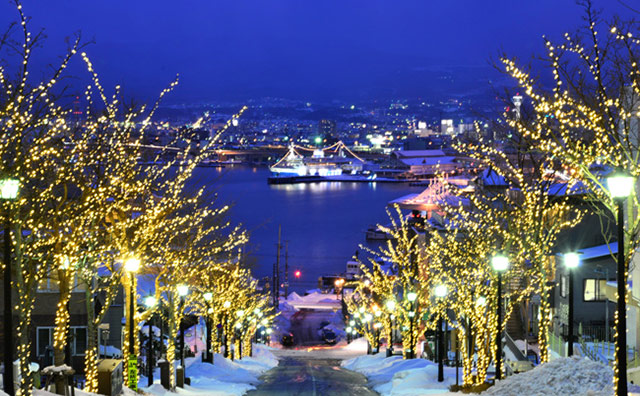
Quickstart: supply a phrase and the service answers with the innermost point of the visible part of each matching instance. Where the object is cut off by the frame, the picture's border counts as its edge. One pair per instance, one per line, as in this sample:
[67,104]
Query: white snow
[314,300]
[396,376]
[223,378]
[563,376]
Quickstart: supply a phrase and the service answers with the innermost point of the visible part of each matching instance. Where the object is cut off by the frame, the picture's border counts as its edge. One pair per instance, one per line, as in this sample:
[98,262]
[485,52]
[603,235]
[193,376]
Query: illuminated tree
[587,121]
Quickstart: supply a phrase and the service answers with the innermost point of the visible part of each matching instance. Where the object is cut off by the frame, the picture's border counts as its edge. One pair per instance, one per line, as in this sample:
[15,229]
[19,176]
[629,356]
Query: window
[564,286]
[44,339]
[594,290]
[78,342]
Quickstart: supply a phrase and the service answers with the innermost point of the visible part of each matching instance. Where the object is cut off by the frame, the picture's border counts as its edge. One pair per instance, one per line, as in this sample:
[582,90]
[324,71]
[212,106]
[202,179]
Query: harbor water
[322,223]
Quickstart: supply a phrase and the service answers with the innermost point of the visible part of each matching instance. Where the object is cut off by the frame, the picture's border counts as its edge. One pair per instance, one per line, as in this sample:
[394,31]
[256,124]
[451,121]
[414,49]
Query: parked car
[329,336]
[287,340]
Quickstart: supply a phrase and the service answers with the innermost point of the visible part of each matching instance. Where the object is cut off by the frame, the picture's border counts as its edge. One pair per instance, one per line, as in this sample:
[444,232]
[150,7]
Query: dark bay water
[323,222]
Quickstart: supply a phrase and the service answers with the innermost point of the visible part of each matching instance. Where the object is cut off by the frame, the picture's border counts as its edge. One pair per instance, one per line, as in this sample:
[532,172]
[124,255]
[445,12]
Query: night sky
[313,49]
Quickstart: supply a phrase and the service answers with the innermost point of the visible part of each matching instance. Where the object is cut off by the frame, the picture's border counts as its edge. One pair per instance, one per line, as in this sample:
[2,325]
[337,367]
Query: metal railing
[557,344]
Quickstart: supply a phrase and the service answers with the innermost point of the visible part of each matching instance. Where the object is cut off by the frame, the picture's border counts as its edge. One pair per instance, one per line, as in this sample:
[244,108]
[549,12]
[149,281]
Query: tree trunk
[61,331]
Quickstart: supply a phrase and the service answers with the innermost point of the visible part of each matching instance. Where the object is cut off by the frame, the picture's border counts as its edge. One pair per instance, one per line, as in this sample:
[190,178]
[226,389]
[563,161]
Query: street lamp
[411,297]
[8,192]
[183,290]
[571,261]
[131,266]
[226,305]
[150,302]
[500,263]
[391,306]
[620,187]
[239,315]
[440,292]
[208,356]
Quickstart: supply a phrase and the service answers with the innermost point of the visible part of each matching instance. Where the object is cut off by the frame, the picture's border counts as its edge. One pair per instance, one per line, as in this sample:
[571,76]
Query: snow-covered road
[312,372]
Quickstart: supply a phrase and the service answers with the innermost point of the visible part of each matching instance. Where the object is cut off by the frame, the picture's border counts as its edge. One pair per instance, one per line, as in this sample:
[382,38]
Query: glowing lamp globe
[481,301]
[500,262]
[240,313]
[150,301]
[132,265]
[620,185]
[227,304]
[571,260]
[183,290]
[391,305]
[9,188]
[412,296]
[208,296]
[440,291]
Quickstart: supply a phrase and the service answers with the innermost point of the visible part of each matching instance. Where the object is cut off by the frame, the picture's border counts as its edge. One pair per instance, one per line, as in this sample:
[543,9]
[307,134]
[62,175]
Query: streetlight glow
[183,290]
[481,301]
[391,305]
[620,185]
[132,264]
[412,296]
[441,291]
[571,260]
[500,262]
[227,304]
[150,301]
[9,188]
[208,296]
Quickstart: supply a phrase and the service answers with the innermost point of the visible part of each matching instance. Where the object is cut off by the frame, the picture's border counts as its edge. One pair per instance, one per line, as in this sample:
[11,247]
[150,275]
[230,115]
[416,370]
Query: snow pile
[282,322]
[563,376]
[396,376]
[336,325]
[223,378]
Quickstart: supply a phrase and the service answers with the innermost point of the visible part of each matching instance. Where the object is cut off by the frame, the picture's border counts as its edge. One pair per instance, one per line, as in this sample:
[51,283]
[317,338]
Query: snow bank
[563,376]
[223,378]
[396,376]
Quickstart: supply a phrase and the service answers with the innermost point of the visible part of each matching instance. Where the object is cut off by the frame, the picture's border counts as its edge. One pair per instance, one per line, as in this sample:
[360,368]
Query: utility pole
[276,271]
[286,269]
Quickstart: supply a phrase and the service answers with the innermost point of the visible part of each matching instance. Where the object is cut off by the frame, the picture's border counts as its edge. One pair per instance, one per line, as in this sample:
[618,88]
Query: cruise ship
[295,167]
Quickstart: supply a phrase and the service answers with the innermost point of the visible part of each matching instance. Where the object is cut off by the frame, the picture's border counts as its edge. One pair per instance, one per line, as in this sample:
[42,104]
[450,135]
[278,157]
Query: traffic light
[297,274]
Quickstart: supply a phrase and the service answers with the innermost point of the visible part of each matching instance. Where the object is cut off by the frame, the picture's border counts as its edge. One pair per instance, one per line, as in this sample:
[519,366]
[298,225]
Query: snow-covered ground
[575,376]
[396,376]
[223,378]
[314,300]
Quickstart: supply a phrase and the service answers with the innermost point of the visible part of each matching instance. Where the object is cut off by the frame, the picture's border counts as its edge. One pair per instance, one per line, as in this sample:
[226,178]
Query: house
[43,324]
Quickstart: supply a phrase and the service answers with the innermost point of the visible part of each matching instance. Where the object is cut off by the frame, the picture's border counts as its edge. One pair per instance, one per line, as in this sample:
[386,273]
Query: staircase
[514,326]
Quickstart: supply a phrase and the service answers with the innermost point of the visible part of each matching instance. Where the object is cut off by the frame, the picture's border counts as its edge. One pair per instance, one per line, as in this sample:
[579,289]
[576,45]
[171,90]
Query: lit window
[594,290]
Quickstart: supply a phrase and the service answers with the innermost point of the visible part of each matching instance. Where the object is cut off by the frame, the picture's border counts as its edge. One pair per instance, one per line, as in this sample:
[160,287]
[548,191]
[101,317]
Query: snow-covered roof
[418,153]
[427,161]
[597,251]
[489,177]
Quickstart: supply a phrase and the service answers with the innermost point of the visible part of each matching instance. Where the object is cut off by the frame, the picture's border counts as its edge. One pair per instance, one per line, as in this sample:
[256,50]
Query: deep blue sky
[316,49]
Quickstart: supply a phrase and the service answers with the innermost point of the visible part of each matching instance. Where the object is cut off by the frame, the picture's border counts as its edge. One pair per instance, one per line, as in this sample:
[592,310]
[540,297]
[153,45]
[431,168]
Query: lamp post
[239,315]
[150,302]
[571,261]
[440,292]
[8,191]
[391,306]
[183,290]
[411,297]
[208,356]
[132,265]
[620,187]
[225,330]
[500,263]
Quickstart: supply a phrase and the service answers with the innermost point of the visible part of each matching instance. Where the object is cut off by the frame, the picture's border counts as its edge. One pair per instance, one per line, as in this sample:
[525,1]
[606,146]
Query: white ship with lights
[333,163]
